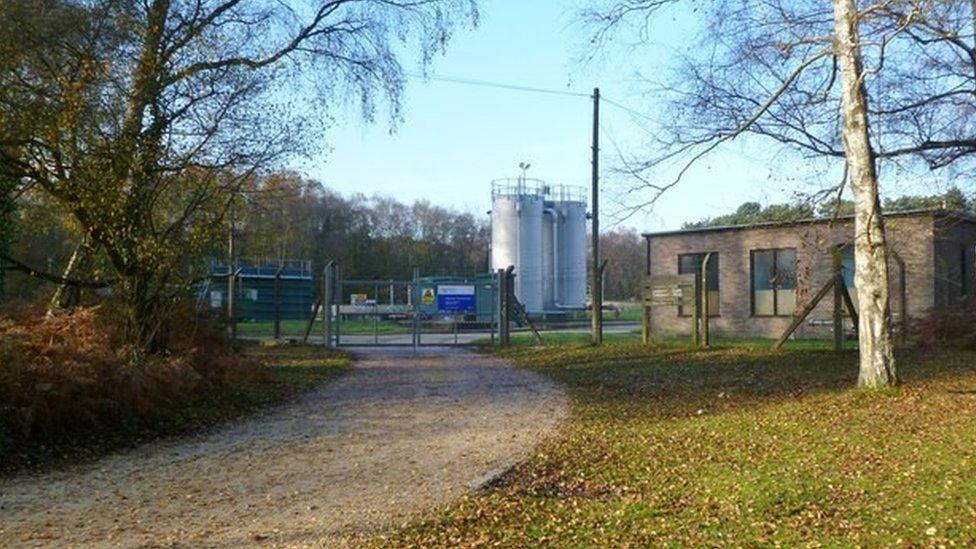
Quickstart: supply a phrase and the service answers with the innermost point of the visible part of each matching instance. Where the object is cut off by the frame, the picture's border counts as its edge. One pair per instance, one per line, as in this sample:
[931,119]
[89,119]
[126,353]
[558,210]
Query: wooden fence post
[704,300]
[327,298]
[277,301]
[645,324]
[696,318]
[838,275]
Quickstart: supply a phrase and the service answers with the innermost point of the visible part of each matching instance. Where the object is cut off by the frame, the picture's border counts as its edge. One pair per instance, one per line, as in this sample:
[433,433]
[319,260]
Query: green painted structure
[255,290]
[486,296]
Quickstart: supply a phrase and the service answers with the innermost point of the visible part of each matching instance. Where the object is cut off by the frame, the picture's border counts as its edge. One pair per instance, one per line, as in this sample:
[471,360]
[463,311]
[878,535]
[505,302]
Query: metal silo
[572,250]
[516,236]
[550,271]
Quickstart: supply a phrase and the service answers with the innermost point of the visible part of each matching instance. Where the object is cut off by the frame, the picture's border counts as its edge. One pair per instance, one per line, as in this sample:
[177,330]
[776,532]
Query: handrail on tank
[518,186]
[568,193]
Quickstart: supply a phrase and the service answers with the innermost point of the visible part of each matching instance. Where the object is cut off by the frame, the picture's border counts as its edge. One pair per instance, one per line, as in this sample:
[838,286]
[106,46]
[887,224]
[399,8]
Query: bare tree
[626,268]
[870,249]
[889,81]
[144,119]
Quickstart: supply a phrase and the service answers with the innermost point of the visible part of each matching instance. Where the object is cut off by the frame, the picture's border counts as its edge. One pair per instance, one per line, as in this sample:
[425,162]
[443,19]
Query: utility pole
[596,284]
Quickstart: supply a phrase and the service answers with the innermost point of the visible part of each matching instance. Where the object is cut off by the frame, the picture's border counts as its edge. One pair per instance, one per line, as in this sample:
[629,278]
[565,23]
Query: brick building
[760,274]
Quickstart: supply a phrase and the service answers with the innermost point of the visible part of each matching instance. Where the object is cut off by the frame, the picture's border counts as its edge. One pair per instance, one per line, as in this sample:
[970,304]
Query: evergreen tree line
[753,212]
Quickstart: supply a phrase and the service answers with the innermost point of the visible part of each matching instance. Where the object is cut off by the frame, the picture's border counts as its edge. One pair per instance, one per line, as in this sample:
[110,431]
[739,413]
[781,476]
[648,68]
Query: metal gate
[423,311]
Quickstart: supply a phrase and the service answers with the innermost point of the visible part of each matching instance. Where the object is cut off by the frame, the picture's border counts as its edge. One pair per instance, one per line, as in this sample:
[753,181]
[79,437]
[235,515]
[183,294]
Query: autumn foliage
[69,372]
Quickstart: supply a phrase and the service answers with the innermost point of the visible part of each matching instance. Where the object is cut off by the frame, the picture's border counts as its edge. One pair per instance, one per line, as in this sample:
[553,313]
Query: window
[847,272]
[691,264]
[773,282]
[847,266]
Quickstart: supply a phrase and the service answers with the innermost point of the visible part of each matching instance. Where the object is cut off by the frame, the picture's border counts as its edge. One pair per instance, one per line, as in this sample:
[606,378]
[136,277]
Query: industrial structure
[263,289]
[541,231]
[762,276]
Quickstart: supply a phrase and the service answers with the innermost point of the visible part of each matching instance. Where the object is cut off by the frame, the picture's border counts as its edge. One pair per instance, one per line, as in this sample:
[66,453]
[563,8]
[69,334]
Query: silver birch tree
[877,361]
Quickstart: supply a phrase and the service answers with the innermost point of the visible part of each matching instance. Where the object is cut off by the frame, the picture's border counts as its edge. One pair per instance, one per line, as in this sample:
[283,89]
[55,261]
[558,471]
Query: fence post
[645,298]
[493,321]
[645,324]
[502,317]
[376,313]
[504,306]
[416,308]
[277,301]
[837,261]
[327,305]
[231,279]
[696,319]
[232,302]
[704,300]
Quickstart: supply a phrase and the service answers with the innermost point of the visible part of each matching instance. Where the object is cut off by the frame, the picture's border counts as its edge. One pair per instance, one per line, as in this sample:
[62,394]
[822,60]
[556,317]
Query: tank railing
[567,193]
[517,186]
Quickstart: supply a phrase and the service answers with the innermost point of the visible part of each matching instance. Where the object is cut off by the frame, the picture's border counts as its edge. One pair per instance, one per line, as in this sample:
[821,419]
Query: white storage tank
[550,271]
[572,255]
[516,237]
[542,232]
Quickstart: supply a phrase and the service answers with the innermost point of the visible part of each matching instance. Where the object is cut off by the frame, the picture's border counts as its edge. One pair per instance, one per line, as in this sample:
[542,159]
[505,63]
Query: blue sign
[455,299]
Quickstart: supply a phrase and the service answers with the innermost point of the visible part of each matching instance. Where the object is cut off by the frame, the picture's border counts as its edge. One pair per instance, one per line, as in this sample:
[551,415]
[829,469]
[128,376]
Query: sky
[456,139]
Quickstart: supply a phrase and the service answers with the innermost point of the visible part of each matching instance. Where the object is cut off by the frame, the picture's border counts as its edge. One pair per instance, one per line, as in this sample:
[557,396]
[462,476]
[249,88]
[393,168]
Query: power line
[499,85]
[522,88]
[627,109]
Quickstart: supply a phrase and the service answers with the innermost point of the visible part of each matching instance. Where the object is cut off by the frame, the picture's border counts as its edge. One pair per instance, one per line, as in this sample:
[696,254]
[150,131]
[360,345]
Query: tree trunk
[877,362]
[142,315]
[6,221]
[67,295]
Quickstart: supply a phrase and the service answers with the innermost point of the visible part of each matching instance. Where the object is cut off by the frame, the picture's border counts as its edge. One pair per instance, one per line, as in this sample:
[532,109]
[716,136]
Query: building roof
[934,212]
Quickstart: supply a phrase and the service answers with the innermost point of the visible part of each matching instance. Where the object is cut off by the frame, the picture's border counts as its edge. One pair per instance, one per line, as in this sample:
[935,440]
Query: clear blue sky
[457,138]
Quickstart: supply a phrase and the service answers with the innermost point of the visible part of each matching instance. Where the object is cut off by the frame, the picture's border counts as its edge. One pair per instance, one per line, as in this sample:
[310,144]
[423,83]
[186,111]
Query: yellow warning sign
[427,297]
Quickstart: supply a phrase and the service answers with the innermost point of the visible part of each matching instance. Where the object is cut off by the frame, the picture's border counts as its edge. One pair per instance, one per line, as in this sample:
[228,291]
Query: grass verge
[296,328]
[582,339]
[286,371]
[735,446]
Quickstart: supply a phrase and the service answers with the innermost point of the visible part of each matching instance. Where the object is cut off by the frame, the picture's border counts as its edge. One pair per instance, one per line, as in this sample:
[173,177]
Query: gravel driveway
[401,434]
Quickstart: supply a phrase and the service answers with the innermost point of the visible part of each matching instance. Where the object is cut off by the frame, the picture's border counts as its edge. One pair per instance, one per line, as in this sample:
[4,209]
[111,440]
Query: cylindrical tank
[572,255]
[550,218]
[504,232]
[516,239]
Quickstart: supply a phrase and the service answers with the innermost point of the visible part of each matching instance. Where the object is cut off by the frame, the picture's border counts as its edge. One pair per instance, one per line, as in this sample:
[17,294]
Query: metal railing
[518,186]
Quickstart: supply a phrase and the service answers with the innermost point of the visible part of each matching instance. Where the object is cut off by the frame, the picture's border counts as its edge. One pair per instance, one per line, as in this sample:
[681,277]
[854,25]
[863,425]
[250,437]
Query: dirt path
[401,434]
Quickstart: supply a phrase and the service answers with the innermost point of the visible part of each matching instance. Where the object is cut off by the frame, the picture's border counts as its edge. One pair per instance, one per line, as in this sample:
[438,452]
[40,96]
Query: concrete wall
[913,238]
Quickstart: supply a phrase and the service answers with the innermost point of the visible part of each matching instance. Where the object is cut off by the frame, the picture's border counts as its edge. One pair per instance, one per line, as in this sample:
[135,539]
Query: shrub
[67,372]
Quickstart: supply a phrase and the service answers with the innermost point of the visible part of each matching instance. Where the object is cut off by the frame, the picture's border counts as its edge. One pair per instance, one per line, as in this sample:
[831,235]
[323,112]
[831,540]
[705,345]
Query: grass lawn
[629,315]
[287,371]
[522,339]
[735,446]
[296,328]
